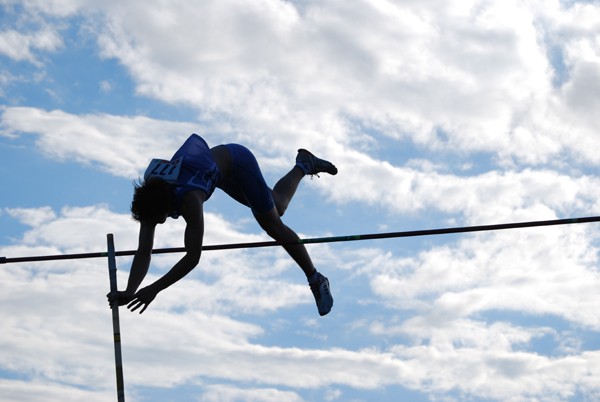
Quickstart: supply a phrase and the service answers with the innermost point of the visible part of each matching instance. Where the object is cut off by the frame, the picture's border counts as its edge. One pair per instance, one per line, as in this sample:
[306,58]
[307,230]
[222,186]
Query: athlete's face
[159,220]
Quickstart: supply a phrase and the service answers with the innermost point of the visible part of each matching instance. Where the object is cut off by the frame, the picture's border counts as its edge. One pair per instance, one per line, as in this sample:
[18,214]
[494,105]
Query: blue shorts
[246,183]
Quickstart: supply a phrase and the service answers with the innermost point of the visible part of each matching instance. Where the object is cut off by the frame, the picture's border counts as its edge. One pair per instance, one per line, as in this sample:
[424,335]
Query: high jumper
[181,186]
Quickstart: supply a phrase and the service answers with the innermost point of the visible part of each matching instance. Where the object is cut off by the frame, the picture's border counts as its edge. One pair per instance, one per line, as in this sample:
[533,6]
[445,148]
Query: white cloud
[22,47]
[46,391]
[455,75]
[446,292]
[223,393]
[53,8]
[544,271]
[72,292]
[120,145]
[516,375]
[485,198]
[32,217]
[124,145]
[419,72]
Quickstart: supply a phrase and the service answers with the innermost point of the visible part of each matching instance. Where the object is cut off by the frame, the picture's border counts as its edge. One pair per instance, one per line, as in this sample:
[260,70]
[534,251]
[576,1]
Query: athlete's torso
[198,170]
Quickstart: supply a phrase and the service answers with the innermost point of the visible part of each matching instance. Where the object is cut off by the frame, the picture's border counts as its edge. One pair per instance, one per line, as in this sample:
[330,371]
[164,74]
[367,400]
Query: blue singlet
[245,183]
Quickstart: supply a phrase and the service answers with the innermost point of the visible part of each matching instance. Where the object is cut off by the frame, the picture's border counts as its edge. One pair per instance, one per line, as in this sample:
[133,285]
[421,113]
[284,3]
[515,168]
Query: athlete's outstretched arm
[141,259]
[140,264]
[192,211]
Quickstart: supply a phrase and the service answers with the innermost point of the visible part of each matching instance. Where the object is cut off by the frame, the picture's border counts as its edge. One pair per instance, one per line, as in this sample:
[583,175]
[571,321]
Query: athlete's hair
[151,199]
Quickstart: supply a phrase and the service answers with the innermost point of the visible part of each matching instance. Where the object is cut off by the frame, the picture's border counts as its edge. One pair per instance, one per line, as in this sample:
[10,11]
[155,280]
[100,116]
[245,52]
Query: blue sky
[436,113]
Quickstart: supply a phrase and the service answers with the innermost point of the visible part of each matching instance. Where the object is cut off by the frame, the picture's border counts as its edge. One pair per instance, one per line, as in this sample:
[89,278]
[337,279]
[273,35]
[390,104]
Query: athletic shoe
[312,165]
[323,298]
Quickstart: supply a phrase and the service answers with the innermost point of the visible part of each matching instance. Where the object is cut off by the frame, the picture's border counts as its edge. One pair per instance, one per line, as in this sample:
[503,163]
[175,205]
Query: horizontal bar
[373,236]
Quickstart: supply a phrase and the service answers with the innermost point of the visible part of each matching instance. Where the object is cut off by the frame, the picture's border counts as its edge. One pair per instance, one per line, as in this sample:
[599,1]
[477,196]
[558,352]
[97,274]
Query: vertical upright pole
[112,273]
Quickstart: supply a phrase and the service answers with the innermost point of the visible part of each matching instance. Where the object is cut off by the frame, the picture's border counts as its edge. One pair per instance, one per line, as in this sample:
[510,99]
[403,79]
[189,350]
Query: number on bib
[162,169]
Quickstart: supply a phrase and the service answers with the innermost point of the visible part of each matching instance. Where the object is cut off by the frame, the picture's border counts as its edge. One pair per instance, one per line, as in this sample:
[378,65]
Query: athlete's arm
[141,259]
[139,266]
[192,212]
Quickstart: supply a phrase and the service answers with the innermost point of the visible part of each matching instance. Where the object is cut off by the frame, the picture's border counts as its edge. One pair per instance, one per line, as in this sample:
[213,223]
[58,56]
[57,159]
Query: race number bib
[162,169]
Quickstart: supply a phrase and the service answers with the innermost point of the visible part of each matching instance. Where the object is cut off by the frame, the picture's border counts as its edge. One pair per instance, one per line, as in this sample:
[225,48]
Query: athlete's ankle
[313,277]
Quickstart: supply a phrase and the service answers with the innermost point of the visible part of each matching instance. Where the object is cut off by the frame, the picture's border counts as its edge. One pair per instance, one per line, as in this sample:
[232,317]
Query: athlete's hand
[142,298]
[122,298]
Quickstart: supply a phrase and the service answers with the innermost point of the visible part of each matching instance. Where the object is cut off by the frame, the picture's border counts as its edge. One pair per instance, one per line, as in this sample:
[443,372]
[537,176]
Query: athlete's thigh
[247,181]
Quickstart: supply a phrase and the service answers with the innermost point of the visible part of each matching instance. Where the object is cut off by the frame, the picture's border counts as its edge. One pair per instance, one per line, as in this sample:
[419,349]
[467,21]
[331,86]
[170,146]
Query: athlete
[180,187]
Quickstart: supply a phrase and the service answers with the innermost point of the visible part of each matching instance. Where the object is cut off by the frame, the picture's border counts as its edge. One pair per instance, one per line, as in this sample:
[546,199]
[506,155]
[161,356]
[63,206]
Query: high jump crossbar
[333,239]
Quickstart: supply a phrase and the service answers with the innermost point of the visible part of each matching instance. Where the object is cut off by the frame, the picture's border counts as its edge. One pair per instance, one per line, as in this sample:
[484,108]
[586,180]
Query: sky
[437,113]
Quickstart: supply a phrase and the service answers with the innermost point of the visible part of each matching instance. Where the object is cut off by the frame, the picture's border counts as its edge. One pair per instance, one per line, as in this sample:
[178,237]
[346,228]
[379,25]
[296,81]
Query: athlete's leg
[247,185]
[285,189]
[319,284]
[272,224]
[306,163]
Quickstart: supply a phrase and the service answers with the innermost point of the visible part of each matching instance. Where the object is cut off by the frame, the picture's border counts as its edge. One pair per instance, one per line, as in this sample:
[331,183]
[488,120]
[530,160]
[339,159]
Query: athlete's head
[152,200]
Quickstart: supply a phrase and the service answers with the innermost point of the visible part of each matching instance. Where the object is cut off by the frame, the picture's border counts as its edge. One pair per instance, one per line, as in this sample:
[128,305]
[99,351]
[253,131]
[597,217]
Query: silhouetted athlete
[180,187]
